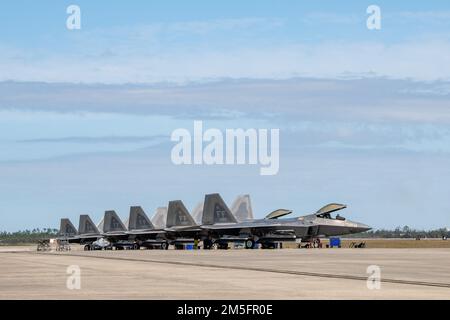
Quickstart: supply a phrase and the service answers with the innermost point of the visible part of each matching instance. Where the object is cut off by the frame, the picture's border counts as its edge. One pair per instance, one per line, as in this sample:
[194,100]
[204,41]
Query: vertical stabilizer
[101,225]
[197,213]
[216,211]
[159,218]
[87,226]
[242,208]
[138,220]
[66,228]
[178,215]
[112,222]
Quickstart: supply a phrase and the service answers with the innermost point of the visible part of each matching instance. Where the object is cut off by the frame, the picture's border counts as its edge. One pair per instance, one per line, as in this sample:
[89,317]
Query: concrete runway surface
[232,274]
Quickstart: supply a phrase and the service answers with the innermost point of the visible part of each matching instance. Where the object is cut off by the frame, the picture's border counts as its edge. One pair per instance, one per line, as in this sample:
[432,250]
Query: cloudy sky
[86,115]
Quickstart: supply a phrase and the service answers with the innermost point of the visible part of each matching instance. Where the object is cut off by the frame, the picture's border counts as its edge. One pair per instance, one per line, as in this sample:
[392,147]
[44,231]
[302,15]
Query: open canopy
[278,213]
[332,207]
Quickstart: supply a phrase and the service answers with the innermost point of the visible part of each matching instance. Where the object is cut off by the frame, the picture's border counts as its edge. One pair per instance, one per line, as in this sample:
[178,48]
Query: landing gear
[164,246]
[207,244]
[249,244]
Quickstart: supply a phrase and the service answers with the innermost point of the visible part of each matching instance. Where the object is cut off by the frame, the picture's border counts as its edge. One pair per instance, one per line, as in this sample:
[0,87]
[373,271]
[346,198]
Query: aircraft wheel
[249,244]
[164,246]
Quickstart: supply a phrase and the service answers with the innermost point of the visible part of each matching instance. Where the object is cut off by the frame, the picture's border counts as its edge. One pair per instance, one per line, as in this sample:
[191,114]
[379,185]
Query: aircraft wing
[240,226]
[89,236]
[115,233]
[151,231]
[183,228]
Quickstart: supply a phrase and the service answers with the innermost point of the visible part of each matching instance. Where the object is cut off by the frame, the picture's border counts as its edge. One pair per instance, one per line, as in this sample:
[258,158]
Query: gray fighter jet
[87,232]
[220,226]
[180,225]
[142,231]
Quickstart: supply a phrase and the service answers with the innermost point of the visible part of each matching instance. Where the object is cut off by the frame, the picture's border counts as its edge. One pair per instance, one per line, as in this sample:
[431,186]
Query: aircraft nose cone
[361,227]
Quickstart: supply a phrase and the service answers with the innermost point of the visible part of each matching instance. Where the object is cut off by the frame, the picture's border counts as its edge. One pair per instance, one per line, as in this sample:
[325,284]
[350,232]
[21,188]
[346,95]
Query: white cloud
[231,48]
[291,100]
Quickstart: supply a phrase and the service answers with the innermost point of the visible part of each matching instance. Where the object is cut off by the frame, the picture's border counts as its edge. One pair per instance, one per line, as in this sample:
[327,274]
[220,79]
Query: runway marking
[291,272]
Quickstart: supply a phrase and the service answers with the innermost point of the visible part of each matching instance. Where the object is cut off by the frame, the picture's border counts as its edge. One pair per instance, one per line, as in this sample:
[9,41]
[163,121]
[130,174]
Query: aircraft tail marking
[216,211]
[178,215]
[112,222]
[86,225]
[67,228]
[138,220]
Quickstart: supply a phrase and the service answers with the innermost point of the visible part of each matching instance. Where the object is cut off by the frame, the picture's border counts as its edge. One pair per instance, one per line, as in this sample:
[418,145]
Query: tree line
[27,236]
[35,235]
[403,232]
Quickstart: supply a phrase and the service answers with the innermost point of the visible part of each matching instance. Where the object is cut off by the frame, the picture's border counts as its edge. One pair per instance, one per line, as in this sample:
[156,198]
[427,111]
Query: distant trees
[403,232]
[32,236]
[27,236]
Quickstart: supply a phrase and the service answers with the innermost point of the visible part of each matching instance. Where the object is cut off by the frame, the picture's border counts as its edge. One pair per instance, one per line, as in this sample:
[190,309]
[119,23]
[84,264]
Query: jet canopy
[325,212]
[278,213]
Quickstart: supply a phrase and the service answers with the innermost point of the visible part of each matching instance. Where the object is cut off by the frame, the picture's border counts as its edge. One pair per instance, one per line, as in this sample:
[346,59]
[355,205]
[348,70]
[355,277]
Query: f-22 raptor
[219,226]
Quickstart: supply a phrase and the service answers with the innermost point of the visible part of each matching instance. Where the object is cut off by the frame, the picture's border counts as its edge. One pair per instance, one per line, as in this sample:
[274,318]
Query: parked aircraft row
[213,223]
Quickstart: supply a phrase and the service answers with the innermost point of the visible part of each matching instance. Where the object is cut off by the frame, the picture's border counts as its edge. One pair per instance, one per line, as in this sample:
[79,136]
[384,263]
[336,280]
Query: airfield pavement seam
[292,272]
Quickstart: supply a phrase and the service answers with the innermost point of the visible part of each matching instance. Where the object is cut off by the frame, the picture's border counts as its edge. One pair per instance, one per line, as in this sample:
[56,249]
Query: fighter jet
[113,232]
[142,231]
[220,226]
[87,232]
[180,226]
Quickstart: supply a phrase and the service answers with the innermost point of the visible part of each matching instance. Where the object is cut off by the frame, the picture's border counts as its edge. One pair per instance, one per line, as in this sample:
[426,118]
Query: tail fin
[112,222]
[66,228]
[86,225]
[138,220]
[197,213]
[242,208]
[216,211]
[178,215]
[101,225]
[160,217]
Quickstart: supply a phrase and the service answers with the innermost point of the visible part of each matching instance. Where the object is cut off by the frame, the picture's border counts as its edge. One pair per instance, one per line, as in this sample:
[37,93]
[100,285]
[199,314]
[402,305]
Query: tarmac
[226,274]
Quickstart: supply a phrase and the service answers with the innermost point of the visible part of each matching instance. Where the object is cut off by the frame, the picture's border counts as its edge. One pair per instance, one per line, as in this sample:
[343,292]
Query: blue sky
[86,115]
